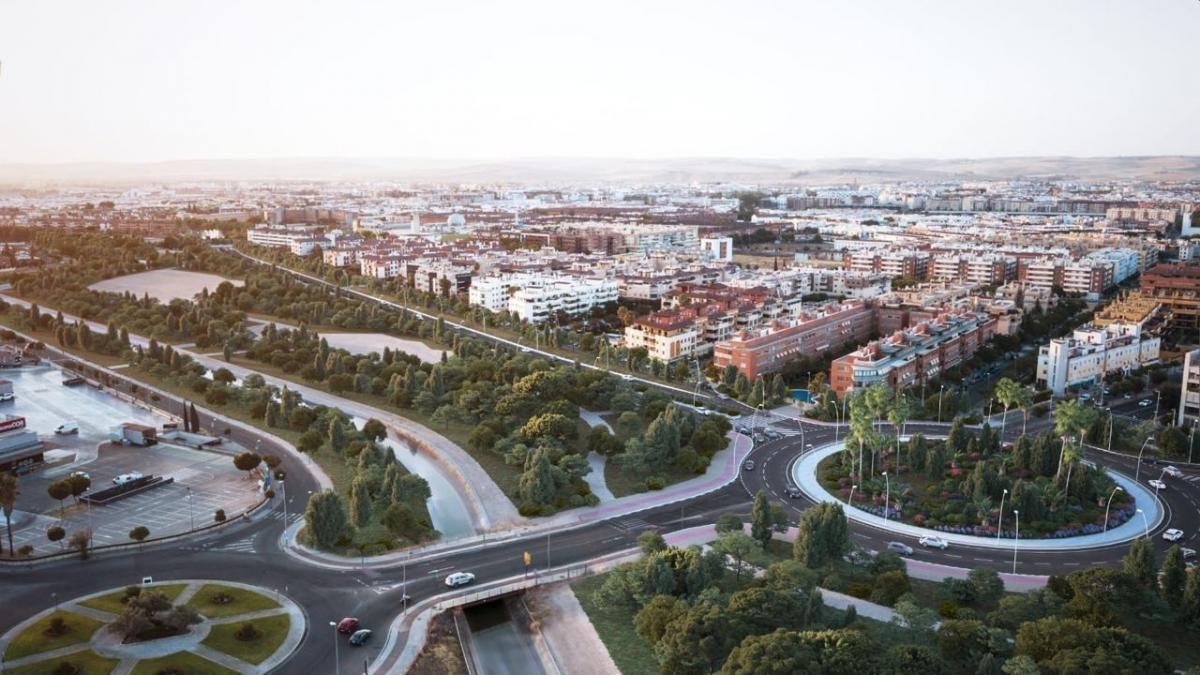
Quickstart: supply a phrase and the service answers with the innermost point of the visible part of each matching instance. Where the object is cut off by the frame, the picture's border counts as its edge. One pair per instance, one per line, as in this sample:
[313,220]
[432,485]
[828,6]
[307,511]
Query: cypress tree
[360,502]
[195,419]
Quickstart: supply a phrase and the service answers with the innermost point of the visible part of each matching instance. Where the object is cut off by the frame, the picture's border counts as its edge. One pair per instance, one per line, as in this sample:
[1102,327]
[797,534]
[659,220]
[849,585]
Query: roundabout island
[977,508]
[194,627]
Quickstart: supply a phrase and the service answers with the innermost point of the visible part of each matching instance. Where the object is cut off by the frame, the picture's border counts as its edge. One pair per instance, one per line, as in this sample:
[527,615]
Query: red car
[347,626]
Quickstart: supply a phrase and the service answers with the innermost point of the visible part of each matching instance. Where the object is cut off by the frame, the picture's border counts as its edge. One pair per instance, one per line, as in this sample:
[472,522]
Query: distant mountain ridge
[544,170]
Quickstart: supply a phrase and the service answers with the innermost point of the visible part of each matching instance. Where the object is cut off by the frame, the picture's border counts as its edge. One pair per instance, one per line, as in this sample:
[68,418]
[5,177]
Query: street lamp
[940,390]
[191,514]
[1109,503]
[283,487]
[850,499]
[1137,470]
[887,495]
[337,666]
[1145,523]
[1016,538]
[1000,522]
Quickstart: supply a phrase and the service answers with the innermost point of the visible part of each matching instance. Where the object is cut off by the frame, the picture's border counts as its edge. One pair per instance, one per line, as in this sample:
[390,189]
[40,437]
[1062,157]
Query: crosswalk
[630,525]
[240,546]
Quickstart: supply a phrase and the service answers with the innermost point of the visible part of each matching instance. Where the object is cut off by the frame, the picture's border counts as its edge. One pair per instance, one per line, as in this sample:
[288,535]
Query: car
[1188,553]
[347,625]
[1172,534]
[793,492]
[7,396]
[748,465]
[743,430]
[808,446]
[1157,484]
[1173,471]
[722,395]
[67,428]
[80,474]
[1145,403]
[127,478]
[899,547]
[360,637]
[934,542]
[1149,459]
[1085,396]
[459,579]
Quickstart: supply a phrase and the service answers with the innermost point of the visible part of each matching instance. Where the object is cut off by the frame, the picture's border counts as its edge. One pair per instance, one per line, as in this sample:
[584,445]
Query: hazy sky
[177,79]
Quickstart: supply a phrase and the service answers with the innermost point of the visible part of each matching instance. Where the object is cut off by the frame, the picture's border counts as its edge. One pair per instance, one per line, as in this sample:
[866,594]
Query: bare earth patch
[365,343]
[165,285]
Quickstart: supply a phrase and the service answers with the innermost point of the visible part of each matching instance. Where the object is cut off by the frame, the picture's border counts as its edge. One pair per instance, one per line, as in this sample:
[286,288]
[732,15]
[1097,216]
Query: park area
[163,285]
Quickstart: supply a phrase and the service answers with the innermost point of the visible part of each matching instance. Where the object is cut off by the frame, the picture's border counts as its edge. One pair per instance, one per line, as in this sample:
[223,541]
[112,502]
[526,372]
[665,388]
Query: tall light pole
[283,487]
[191,514]
[887,495]
[1109,504]
[1157,400]
[940,391]
[1145,523]
[1016,538]
[1110,429]
[337,665]
[1137,470]
[1191,439]
[850,499]
[1000,522]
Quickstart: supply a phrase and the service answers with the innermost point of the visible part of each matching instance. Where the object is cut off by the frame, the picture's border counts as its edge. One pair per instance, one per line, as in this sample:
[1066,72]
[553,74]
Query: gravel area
[364,343]
[165,285]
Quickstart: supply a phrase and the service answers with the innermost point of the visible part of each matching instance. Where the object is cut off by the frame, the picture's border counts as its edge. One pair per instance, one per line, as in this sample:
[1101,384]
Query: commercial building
[20,449]
[914,355]
[812,333]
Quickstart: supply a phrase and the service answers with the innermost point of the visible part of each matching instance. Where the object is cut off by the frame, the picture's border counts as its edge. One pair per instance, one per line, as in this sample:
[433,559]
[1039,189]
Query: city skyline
[138,82]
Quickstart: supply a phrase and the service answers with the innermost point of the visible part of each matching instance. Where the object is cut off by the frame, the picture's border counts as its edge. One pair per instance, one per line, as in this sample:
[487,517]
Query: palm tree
[1072,418]
[898,416]
[1006,392]
[1024,402]
[9,491]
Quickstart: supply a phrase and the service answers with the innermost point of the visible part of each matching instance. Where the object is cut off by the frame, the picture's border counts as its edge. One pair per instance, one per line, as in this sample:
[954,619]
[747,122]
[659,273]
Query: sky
[798,79]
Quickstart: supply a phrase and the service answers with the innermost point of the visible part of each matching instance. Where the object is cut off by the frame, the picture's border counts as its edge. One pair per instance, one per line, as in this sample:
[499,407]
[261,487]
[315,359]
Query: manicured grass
[34,640]
[183,662]
[242,601]
[113,604]
[272,629]
[88,662]
[628,650]
[624,483]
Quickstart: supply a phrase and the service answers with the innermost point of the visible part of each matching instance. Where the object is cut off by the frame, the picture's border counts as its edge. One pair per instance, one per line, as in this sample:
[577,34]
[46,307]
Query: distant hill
[609,170]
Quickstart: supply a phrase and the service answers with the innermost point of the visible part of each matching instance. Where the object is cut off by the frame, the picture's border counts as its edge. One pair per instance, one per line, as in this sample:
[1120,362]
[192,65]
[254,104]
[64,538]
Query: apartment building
[299,239]
[983,270]
[769,348]
[380,265]
[717,248]
[1188,413]
[537,297]
[1092,352]
[1125,262]
[341,256]
[1089,278]
[914,355]
[894,264]
[673,334]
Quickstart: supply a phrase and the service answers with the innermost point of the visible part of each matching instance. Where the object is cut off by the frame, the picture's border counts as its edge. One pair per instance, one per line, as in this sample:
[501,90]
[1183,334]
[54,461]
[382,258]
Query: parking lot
[204,480]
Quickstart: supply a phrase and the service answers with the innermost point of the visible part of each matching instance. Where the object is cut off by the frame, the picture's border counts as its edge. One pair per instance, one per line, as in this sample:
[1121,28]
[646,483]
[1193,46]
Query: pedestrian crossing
[630,525]
[240,546]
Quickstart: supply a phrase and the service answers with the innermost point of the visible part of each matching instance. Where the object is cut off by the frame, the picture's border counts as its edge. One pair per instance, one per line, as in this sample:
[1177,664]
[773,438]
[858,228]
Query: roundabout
[189,626]
[803,473]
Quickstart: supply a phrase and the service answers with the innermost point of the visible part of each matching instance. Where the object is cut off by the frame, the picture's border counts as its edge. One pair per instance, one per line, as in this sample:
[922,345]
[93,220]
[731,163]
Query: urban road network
[255,551]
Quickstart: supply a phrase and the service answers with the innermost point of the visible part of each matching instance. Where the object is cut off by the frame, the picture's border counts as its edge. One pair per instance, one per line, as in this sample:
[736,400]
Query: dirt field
[165,285]
[363,343]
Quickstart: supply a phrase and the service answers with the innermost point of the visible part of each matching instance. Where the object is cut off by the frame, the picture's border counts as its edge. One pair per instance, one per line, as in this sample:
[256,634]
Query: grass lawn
[181,662]
[113,604]
[88,662]
[242,601]
[272,629]
[34,640]
[628,650]
[624,483]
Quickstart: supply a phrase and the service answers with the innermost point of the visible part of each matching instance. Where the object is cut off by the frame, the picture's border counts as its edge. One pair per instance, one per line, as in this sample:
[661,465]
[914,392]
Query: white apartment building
[1188,413]
[299,239]
[717,248]
[380,266]
[667,335]
[1092,352]
[536,297]
[1126,262]
[340,257]
[983,270]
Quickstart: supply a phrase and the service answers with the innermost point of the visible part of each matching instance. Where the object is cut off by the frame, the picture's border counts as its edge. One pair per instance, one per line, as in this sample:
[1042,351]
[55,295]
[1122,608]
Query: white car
[1173,534]
[1145,402]
[1188,553]
[1157,484]
[1173,472]
[67,428]
[899,547]
[459,579]
[7,396]
[126,478]
[934,542]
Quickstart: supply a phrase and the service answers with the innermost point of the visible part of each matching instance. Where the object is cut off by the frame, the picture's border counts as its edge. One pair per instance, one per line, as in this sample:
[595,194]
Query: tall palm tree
[9,491]
[1006,393]
[1024,402]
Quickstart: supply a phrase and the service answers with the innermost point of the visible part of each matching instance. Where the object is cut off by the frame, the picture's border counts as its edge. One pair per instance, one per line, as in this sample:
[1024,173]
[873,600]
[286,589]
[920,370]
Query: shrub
[57,626]
[65,668]
[655,483]
[859,590]
[247,633]
[219,516]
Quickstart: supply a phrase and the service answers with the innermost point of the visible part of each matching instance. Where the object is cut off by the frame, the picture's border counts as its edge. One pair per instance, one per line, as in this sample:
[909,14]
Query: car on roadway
[1188,553]
[900,547]
[748,465]
[459,579]
[1085,396]
[1173,471]
[360,637]
[1172,535]
[1157,484]
[934,542]
[67,428]
[743,430]
[808,446]
[1144,403]
[347,625]
[793,492]
[1149,459]
[80,474]
[127,478]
